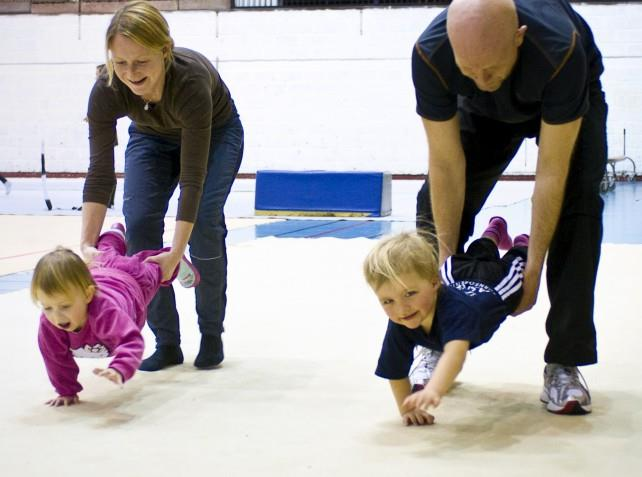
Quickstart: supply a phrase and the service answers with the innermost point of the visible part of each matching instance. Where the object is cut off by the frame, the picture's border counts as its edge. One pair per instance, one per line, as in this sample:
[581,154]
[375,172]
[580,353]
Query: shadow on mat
[478,419]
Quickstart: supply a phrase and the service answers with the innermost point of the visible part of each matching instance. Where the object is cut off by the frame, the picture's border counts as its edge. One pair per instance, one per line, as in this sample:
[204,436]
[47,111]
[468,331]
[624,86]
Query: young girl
[480,290]
[96,310]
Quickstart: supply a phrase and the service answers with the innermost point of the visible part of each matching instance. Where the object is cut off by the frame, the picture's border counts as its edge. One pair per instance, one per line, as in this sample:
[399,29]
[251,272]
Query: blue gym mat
[345,229]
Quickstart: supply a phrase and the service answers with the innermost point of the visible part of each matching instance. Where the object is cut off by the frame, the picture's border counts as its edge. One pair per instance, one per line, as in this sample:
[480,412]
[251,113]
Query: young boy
[479,290]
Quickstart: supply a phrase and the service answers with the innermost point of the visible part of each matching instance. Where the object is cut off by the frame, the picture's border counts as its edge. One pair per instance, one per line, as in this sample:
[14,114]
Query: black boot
[211,353]
[164,356]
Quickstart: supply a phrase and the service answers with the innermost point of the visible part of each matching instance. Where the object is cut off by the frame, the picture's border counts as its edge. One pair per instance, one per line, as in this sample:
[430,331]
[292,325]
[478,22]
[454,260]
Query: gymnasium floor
[296,395]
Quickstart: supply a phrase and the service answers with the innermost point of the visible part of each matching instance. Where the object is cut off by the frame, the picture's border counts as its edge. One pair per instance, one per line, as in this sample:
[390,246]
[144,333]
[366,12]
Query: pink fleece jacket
[115,318]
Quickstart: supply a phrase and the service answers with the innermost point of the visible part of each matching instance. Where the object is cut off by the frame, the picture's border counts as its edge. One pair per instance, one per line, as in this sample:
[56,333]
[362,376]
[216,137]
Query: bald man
[487,74]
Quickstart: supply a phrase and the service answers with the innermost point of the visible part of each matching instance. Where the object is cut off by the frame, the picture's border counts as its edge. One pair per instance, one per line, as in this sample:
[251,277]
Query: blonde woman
[185,132]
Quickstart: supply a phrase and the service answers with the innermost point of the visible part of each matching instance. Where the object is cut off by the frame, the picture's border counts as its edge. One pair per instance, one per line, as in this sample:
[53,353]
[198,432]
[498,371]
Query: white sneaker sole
[570,408]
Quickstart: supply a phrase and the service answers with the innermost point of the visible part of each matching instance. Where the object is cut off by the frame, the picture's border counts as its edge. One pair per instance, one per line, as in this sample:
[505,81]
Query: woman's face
[142,69]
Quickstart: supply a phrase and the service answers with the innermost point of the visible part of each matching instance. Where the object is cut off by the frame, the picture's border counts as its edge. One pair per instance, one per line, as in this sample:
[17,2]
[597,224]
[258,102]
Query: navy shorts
[481,263]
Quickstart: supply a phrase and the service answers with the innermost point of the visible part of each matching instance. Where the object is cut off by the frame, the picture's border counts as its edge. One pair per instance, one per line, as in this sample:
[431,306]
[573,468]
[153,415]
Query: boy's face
[409,305]
[67,312]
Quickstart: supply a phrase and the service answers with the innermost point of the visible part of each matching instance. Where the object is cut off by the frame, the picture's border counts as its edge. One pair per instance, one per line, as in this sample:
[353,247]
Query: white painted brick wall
[316,89]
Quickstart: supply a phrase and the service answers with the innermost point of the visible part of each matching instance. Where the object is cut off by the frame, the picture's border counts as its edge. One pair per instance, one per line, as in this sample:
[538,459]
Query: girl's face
[67,312]
[411,305]
[140,68]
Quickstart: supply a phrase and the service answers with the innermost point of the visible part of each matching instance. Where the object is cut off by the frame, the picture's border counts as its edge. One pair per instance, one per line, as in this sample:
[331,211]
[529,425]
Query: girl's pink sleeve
[61,366]
[116,330]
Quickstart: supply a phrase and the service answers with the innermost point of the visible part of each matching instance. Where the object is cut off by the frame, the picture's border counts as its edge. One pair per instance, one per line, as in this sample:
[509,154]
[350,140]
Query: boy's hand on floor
[423,399]
[417,417]
[63,401]
[110,374]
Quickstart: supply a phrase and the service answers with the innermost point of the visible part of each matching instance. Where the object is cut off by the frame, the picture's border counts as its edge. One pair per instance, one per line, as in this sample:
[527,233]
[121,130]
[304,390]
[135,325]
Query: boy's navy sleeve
[396,355]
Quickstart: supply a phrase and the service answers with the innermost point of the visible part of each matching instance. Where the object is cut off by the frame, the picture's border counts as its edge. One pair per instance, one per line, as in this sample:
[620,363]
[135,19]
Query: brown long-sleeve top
[194,100]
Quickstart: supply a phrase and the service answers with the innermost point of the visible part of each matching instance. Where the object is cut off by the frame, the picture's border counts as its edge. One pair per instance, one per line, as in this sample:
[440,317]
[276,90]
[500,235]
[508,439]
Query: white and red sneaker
[188,275]
[565,390]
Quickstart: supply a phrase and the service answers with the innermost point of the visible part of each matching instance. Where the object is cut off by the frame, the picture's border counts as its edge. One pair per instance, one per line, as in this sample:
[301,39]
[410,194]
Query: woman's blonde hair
[60,272]
[143,23]
[399,254]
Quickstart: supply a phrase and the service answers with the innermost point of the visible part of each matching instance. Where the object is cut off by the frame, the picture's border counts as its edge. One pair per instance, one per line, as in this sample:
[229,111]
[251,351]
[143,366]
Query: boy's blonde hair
[143,23]
[60,272]
[396,255]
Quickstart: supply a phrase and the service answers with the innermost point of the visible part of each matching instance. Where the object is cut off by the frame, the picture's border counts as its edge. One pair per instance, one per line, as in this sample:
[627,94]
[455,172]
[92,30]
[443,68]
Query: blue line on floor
[15,281]
[344,228]
[289,228]
[619,227]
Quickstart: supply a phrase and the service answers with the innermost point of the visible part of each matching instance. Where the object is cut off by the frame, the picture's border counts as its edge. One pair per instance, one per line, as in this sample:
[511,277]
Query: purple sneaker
[117,229]
[497,231]
[521,240]
[118,226]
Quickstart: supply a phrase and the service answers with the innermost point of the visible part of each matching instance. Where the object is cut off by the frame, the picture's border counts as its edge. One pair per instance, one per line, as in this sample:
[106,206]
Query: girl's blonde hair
[396,255]
[60,272]
[143,23]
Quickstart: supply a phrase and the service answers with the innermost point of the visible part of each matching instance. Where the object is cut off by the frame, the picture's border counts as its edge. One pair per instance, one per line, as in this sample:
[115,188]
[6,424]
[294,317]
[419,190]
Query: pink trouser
[148,275]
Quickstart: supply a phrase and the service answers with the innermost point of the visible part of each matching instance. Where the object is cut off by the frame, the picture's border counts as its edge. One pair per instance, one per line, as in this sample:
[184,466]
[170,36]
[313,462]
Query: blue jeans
[152,168]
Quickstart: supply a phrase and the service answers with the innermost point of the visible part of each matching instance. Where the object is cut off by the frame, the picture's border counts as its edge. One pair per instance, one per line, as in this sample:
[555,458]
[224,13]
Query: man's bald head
[485,36]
